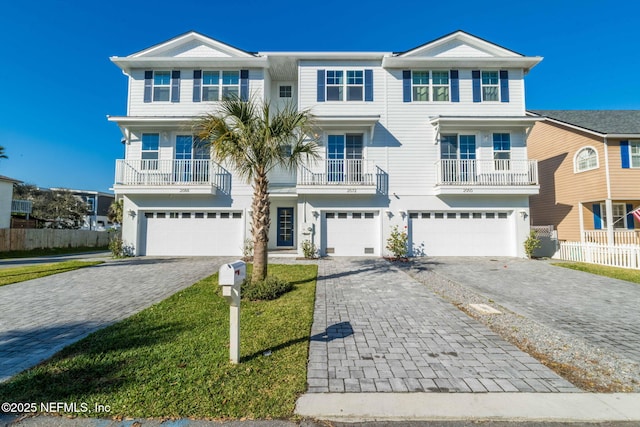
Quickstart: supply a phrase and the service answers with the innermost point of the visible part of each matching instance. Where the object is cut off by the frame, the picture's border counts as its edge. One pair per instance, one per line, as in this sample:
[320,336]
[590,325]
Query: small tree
[115,212]
[398,243]
[531,244]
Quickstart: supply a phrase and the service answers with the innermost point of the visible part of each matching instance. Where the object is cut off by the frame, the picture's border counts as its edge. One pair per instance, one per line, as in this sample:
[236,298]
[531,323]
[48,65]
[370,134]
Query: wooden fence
[625,256]
[14,239]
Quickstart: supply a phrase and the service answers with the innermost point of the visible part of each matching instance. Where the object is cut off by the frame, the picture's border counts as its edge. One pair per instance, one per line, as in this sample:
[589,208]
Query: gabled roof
[461,50]
[7,179]
[161,49]
[602,122]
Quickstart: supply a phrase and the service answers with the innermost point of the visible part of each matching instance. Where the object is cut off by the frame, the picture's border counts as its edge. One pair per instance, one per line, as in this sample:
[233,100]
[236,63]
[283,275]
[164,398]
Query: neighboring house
[589,165]
[6,200]
[432,139]
[97,206]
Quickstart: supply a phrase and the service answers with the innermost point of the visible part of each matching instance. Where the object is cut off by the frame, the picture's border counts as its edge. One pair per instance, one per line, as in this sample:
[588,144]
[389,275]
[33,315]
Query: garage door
[192,233]
[350,233]
[462,233]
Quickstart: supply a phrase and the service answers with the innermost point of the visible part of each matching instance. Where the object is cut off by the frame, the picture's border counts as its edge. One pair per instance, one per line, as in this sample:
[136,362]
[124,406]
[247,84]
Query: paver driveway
[602,311]
[41,316]
[376,329]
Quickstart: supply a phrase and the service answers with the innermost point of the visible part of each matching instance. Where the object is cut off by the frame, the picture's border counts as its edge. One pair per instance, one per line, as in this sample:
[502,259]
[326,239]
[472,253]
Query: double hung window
[502,150]
[161,85]
[490,86]
[634,153]
[430,86]
[150,149]
[218,85]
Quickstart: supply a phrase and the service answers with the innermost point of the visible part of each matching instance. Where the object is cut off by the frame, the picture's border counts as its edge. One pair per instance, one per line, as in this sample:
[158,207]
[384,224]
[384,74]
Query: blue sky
[58,84]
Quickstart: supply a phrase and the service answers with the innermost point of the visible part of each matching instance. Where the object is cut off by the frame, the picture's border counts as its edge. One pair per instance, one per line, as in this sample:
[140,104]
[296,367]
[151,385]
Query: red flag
[636,214]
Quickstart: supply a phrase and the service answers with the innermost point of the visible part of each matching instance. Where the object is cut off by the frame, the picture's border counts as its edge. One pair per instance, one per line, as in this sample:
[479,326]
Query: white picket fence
[625,256]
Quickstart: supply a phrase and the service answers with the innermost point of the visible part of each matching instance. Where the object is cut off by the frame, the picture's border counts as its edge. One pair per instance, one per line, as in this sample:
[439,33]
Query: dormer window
[586,159]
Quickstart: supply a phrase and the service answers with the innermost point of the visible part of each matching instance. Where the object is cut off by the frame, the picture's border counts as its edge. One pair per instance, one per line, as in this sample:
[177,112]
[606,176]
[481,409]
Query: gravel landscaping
[584,365]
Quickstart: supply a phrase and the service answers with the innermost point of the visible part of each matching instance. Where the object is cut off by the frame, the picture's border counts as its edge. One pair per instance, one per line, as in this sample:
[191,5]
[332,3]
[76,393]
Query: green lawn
[613,272]
[20,274]
[172,359]
[50,252]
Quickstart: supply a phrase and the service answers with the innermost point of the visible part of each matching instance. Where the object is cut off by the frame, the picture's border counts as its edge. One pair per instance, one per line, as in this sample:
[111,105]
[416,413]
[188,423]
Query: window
[355,85]
[420,83]
[439,85]
[334,85]
[150,146]
[586,159]
[490,86]
[161,85]
[619,215]
[91,204]
[634,153]
[501,150]
[286,91]
[217,85]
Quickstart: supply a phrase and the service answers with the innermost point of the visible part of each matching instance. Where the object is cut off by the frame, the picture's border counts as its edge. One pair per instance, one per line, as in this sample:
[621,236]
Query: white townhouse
[432,140]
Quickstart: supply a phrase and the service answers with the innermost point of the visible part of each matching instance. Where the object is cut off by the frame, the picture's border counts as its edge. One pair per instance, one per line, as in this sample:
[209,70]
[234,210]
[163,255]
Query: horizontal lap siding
[625,183]
[560,188]
[186,106]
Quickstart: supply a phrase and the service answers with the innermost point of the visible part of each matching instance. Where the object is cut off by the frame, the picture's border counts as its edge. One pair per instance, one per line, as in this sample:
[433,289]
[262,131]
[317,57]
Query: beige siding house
[589,166]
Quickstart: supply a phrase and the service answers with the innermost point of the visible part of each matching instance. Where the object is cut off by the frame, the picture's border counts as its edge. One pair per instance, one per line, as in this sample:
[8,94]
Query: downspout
[608,202]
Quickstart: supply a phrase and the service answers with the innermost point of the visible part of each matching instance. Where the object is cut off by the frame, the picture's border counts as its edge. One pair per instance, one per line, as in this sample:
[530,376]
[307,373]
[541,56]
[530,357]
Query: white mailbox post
[230,277]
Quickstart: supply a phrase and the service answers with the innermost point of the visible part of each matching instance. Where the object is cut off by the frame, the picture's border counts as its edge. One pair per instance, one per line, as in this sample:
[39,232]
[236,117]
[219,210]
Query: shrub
[265,290]
[309,249]
[247,250]
[398,243]
[118,248]
[531,244]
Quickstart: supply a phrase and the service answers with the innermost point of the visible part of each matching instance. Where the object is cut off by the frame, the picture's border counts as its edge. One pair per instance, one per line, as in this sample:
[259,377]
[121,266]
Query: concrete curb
[581,407]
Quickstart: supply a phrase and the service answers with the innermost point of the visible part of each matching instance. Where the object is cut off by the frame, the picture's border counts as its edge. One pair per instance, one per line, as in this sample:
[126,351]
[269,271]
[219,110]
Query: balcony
[487,177]
[340,176]
[22,207]
[170,176]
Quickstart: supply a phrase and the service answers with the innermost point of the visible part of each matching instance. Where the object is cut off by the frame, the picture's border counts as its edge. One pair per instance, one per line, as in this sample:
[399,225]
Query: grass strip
[602,270]
[172,359]
[20,274]
[51,251]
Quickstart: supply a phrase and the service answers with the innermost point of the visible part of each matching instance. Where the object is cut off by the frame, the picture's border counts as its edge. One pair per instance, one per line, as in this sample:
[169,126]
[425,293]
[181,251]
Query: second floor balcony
[340,176]
[487,177]
[198,176]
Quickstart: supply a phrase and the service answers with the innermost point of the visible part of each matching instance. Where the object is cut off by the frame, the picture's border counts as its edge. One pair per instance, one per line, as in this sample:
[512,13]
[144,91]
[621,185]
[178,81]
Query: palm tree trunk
[260,226]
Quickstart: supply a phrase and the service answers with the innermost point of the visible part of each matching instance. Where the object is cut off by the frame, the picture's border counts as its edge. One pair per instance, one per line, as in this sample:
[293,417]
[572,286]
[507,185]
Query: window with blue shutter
[197,85]
[148,85]
[368,85]
[244,85]
[175,86]
[475,77]
[504,86]
[321,83]
[455,86]
[597,218]
[624,154]
[406,86]
[630,225]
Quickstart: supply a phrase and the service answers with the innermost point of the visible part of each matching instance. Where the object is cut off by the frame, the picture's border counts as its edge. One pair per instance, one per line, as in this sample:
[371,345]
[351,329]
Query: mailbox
[230,277]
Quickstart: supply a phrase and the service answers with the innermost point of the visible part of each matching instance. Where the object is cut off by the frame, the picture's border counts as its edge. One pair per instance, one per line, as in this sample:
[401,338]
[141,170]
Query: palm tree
[247,136]
[2,155]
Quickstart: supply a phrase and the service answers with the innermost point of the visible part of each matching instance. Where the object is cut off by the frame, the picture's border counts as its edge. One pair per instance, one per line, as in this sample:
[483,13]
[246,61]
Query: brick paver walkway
[40,317]
[378,330]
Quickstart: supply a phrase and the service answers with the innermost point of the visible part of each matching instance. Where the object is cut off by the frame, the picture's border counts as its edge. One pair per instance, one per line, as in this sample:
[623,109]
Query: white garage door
[192,233]
[462,233]
[350,233]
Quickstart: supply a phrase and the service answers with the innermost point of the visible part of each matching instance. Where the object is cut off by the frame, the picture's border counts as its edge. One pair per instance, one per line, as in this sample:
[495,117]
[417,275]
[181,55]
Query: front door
[285,227]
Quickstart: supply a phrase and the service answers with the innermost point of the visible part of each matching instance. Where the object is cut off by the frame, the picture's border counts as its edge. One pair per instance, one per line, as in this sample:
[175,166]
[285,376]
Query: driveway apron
[376,329]
[40,317]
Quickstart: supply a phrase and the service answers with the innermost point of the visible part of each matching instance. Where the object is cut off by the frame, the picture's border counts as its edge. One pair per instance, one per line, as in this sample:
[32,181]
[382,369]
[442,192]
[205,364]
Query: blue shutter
[368,85]
[597,219]
[624,154]
[475,76]
[630,225]
[321,81]
[504,86]
[148,85]
[197,85]
[406,86]
[175,86]
[244,85]
[455,86]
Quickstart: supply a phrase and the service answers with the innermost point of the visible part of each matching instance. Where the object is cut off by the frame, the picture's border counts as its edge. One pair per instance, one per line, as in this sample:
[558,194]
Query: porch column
[609,215]
[581,217]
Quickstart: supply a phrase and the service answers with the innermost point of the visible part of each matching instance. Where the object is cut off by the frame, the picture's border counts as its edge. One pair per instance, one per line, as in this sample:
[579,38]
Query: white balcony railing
[338,172]
[494,173]
[620,237]
[167,172]
[21,206]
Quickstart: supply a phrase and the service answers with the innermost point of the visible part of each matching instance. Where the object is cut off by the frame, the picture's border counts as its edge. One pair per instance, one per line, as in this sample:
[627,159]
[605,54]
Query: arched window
[586,159]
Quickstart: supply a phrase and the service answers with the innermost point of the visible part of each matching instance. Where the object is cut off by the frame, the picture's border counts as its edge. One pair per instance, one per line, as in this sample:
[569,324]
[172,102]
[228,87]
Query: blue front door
[285,227]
